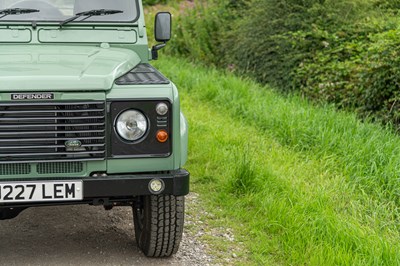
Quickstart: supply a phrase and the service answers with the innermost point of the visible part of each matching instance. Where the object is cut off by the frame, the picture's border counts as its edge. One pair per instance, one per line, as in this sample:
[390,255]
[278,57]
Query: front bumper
[119,189]
[176,183]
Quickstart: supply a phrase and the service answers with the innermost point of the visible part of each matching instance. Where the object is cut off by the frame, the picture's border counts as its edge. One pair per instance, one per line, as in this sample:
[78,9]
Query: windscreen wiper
[17,11]
[91,13]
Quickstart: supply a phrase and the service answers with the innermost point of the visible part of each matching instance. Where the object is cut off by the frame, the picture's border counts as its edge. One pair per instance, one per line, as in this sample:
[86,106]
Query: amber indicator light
[162,136]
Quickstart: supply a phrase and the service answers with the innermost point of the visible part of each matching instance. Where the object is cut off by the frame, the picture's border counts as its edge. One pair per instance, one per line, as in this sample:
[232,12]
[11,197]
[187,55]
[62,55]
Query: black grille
[36,132]
[15,169]
[59,168]
[142,74]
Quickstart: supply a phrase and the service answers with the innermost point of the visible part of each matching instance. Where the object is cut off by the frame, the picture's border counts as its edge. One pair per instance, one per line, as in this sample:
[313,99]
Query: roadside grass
[298,184]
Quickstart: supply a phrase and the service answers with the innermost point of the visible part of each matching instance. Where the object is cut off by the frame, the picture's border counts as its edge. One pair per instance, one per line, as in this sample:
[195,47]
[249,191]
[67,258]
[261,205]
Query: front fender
[184,128]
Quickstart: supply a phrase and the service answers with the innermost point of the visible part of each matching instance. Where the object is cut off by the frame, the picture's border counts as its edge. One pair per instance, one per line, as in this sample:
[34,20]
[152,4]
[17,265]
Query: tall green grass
[299,184]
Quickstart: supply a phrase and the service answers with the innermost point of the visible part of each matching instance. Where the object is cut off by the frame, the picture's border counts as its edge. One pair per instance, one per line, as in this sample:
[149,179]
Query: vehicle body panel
[62,68]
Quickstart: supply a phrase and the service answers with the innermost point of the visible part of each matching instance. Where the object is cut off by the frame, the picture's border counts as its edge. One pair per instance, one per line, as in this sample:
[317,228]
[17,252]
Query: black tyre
[158,221]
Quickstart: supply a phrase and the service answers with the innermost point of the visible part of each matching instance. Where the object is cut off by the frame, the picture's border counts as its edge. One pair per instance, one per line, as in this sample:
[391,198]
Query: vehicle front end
[85,119]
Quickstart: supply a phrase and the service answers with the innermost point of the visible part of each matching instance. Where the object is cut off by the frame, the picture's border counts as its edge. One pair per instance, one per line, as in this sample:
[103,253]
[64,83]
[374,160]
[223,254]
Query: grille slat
[48,146]
[48,139]
[49,125]
[48,132]
[29,104]
[40,161]
[23,119]
[52,153]
[48,111]
[38,132]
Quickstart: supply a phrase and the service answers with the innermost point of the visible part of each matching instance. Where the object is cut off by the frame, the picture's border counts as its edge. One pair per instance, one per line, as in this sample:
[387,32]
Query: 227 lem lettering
[27,192]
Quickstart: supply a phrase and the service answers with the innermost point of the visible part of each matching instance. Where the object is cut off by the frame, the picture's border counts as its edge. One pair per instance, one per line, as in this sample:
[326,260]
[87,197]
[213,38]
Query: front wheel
[158,221]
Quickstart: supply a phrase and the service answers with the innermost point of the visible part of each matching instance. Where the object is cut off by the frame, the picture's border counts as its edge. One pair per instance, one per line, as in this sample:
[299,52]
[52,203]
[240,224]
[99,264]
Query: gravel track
[84,235]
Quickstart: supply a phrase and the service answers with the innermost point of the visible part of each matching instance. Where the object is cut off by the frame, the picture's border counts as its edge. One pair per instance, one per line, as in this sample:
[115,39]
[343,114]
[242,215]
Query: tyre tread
[165,226]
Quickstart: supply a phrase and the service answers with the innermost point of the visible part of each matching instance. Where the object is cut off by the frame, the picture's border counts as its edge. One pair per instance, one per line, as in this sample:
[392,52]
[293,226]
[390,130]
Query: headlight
[131,125]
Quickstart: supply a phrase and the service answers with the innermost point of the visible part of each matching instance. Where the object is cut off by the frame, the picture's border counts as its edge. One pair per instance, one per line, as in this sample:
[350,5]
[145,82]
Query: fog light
[156,186]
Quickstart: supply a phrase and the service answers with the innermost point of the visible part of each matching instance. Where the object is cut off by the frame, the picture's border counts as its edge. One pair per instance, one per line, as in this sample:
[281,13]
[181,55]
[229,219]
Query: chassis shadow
[72,235]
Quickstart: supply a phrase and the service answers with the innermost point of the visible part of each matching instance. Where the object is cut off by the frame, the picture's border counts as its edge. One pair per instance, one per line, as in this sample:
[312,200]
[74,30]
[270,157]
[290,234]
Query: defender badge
[32,96]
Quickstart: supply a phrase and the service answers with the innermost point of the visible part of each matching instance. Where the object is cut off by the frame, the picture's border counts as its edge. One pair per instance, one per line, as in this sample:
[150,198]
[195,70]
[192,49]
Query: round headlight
[131,125]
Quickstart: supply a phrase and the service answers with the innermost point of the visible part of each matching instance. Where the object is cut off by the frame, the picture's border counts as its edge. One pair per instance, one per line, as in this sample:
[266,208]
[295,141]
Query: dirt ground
[83,235]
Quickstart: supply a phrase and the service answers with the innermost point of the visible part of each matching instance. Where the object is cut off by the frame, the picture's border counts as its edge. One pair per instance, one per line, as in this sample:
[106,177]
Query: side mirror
[162,32]
[162,27]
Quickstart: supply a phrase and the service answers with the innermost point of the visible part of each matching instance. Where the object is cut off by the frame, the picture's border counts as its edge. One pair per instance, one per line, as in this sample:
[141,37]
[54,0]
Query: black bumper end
[116,186]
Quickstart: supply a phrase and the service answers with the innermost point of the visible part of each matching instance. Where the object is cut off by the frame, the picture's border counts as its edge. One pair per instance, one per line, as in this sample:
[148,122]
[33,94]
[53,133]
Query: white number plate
[41,191]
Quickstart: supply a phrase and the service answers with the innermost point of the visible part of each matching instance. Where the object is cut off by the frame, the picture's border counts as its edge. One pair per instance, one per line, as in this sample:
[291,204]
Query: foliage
[200,23]
[380,79]
[360,74]
[392,5]
[154,2]
[316,186]
[200,32]
[244,179]
[292,31]
[340,51]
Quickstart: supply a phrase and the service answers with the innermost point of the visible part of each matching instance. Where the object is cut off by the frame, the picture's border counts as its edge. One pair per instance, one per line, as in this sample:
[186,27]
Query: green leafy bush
[194,31]
[201,31]
[154,2]
[379,80]
[339,51]
[361,74]
[277,36]
[392,5]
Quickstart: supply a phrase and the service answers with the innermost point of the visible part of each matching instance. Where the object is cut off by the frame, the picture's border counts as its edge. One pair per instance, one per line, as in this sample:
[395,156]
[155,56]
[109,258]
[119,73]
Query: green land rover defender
[85,119]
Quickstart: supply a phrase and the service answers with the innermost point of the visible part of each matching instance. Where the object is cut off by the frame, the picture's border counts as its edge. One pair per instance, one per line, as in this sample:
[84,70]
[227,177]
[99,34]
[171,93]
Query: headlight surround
[147,146]
[131,125]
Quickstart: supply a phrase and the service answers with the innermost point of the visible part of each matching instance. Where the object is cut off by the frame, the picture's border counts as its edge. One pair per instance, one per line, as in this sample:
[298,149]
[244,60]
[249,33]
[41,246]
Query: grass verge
[298,184]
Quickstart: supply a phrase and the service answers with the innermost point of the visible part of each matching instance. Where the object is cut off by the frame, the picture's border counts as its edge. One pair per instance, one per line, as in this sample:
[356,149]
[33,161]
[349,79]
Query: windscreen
[59,10]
